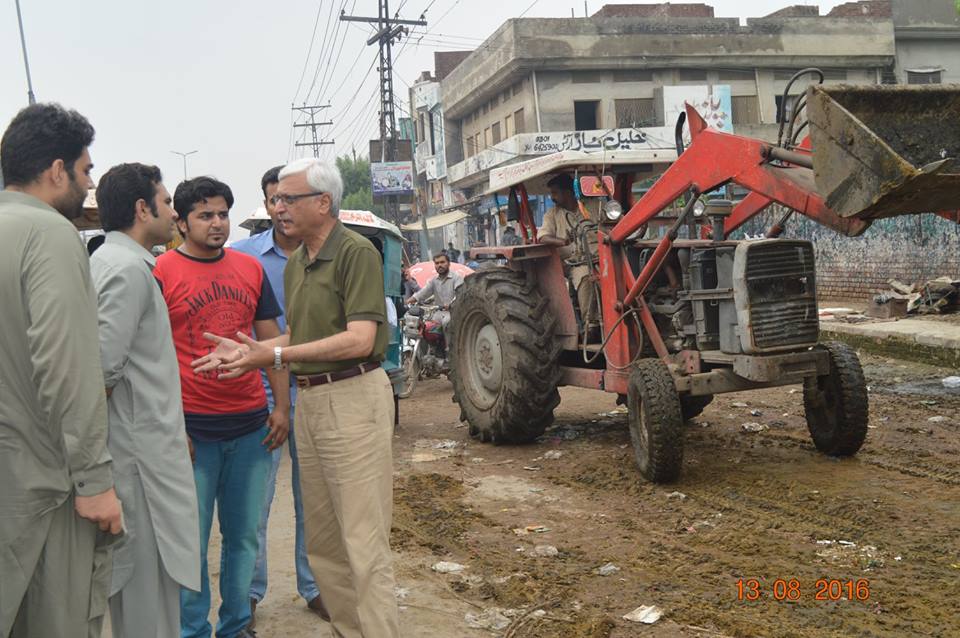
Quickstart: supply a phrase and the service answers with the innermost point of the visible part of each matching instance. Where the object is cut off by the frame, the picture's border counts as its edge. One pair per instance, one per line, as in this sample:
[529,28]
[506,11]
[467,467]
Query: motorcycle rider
[442,288]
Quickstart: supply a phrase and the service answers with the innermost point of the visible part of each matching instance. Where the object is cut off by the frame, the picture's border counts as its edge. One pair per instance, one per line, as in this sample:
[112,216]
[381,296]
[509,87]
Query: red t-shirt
[222,296]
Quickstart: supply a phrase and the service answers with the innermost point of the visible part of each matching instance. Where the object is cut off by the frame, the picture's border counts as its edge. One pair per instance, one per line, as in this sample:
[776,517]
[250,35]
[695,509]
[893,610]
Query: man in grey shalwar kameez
[58,510]
[148,440]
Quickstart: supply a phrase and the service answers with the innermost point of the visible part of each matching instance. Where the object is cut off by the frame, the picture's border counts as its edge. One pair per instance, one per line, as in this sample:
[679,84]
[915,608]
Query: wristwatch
[277,359]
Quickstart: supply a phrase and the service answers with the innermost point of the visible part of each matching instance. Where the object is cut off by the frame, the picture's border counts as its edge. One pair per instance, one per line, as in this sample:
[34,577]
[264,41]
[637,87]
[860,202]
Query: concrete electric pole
[388,31]
[313,125]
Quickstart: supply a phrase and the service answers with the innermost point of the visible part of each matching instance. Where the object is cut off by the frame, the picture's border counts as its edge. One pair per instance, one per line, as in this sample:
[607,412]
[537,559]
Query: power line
[306,61]
[528,8]
[328,74]
[389,30]
[326,32]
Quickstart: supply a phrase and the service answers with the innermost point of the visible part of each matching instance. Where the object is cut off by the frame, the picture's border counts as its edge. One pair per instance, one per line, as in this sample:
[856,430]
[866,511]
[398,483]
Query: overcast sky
[219,76]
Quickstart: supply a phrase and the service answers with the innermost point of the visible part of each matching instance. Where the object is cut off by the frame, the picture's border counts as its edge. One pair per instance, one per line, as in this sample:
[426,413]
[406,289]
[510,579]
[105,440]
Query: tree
[357,193]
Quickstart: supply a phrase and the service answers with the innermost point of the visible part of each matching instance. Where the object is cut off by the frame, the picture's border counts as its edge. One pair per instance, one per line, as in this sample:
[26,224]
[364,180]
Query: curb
[896,346]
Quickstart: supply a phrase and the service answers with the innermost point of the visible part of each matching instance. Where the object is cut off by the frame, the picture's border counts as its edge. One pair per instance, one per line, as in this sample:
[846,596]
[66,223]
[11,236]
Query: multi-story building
[536,86]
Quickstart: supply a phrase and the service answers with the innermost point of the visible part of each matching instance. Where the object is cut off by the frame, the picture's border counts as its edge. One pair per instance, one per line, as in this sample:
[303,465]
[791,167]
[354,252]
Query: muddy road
[881,531]
[762,509]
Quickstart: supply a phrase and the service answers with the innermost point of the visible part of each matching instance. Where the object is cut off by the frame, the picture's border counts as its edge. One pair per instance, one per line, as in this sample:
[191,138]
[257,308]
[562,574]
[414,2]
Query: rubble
[545,551]
[647,614]
[935,296]
[608,569]
[753,427]
[493,619]
[446,567]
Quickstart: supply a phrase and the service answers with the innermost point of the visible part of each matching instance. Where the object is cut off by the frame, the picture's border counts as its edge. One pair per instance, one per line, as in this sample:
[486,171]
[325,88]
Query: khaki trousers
[344,446]
[58,579]
[586,294]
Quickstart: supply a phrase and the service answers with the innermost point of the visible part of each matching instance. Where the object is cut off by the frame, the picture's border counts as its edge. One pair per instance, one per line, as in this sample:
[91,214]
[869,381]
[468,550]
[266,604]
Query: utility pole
[26,63]
[313,125]
[388,31]
[184,156]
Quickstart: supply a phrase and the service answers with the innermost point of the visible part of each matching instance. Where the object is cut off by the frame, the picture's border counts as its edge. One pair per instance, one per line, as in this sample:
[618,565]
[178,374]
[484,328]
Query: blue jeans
[306,584]
[232,474]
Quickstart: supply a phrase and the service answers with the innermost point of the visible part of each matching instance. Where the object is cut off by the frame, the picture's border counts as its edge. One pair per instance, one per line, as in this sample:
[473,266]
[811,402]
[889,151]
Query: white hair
[321,176]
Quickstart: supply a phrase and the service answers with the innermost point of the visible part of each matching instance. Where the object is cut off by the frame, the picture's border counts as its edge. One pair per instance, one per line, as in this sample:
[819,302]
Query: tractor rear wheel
[656,421]
[503,357]
[693,406]
[836,404]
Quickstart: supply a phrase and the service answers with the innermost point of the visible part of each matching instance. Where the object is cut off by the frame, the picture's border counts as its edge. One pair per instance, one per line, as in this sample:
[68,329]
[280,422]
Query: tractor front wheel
[656,421]
[836,404]
[503,357]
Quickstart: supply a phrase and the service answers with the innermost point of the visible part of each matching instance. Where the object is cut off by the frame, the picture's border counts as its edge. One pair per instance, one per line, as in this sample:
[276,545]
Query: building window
[635,113]
[586,115]
[633,75]
[483,109]
[519,123]
[746,109]
[585,77]
[486,137]
[785,111]
[470,146]
[924,77]
[508,126]
[495,133]
[433,142]
[518,87]
[736,75]
[692,75]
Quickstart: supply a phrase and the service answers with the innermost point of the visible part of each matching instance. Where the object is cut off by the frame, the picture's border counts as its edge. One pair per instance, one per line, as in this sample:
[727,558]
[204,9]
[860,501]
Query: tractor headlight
[699,208]
[612,209]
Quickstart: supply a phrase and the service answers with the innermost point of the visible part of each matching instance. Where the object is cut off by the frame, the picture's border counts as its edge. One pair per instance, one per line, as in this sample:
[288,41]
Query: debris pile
[935,296]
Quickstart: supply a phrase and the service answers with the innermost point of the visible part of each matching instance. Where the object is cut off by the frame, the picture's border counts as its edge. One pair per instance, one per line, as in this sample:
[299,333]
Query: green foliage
[357,194]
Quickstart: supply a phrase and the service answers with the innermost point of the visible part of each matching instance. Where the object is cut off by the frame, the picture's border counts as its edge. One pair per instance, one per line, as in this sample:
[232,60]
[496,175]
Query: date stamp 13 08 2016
[791,590]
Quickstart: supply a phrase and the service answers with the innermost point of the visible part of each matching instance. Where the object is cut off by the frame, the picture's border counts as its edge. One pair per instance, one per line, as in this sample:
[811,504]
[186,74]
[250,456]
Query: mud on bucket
[881,151]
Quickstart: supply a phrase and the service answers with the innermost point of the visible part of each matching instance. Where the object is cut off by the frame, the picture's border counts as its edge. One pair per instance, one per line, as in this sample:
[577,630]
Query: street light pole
[26,63]
[184,156]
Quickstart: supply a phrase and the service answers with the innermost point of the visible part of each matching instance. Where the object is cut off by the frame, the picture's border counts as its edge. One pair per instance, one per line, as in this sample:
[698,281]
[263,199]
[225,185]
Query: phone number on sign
[751,589]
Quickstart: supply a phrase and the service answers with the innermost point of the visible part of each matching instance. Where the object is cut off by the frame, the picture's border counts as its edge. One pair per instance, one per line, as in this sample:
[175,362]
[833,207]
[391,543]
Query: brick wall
[663,10]
[911,248]
[863,9]
[446,61]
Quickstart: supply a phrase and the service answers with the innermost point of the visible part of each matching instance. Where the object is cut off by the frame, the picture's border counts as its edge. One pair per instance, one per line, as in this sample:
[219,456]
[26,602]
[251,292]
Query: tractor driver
[559,229]
[443,289]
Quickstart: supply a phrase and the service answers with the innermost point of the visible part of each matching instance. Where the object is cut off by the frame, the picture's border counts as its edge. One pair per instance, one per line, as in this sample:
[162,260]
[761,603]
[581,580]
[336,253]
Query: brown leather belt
[339,375]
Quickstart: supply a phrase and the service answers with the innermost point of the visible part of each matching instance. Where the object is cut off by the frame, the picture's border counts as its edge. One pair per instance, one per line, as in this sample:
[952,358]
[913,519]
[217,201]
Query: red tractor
[686,319]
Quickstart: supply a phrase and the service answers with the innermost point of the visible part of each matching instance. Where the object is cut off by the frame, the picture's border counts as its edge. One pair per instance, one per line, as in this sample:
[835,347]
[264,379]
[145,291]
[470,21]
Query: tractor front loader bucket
[880,151]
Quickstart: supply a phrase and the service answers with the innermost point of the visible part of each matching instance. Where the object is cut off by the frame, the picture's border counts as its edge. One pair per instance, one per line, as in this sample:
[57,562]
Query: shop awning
[437,221]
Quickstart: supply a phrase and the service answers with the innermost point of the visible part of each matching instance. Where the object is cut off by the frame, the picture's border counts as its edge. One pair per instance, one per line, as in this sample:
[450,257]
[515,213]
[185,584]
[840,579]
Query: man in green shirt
[336,338]
[58,509]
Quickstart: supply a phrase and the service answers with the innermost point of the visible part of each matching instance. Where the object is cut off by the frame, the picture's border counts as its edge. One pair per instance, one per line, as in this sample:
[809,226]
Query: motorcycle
[424,349]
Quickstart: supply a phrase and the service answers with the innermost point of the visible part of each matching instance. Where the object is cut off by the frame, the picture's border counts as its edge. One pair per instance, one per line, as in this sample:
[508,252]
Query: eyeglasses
[290,199]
